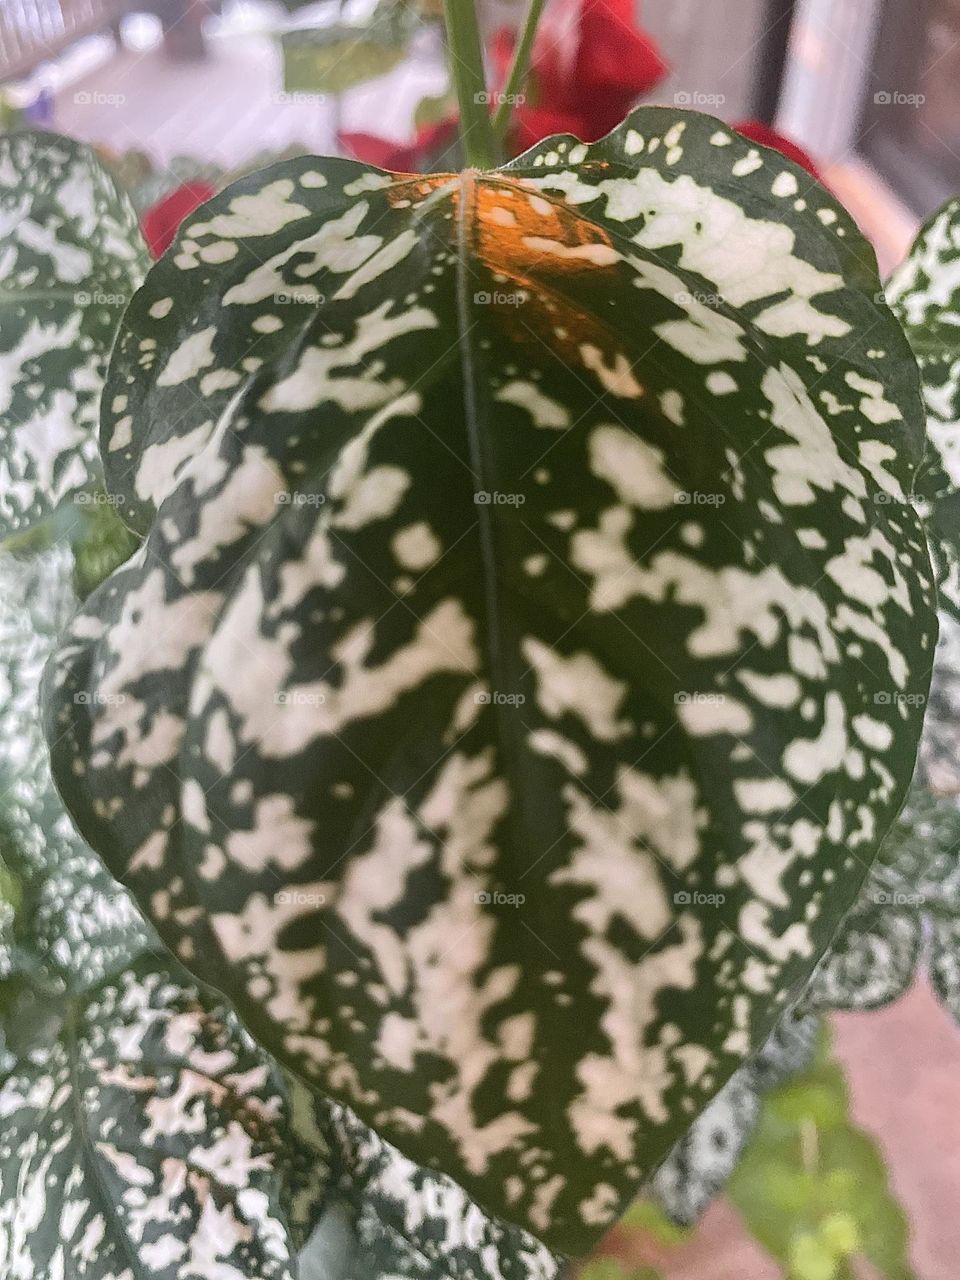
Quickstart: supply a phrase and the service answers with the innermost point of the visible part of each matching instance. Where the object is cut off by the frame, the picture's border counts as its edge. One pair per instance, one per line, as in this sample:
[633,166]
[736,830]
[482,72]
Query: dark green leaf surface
[924,293]
[520,669]
[72,256]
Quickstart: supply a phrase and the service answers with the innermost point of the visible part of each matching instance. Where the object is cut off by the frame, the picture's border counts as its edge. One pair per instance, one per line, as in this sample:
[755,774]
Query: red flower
[754,131]
[414,157]
[588,69]
[162,220]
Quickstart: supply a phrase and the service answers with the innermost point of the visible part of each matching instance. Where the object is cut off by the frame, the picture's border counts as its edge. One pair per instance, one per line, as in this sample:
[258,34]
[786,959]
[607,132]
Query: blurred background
[182,95]
[870,88]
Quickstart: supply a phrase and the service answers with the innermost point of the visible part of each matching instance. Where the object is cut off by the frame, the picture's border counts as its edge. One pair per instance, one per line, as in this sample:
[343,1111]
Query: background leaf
[73,255]
[144,1130]
[924,292]
[813,1188]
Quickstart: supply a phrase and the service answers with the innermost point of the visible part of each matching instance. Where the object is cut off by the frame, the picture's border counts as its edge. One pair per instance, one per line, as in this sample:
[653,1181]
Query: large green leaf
[925,295]
[519,672]
[101,1033]
[72,256]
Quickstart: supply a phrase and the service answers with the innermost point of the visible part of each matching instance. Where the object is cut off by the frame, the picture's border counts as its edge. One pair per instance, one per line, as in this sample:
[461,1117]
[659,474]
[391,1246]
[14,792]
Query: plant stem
[466,70]
[517,75]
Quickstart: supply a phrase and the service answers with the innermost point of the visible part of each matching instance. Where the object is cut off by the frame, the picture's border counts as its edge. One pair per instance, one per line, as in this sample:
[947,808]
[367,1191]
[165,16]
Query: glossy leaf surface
[521,668]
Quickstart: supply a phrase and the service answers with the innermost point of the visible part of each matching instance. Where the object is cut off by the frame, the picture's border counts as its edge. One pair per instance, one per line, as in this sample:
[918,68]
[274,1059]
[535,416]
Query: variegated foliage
[144,1132]
[908,915]
[90,1003]
[141,1126]
[924,292]
[525,656]
[71,257]
[405,1220]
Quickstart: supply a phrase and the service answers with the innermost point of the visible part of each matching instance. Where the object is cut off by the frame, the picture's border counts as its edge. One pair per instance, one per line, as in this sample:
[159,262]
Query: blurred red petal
[614,53]
[162,220]
[532,124]
[754,131]
[401,157]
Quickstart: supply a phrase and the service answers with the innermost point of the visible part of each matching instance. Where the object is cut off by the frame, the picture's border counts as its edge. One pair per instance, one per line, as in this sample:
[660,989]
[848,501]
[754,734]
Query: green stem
[466,69]
[517,75]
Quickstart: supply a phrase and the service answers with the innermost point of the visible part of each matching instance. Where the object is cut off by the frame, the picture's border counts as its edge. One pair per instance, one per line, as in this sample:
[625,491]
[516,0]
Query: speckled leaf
[65,926]
[875,955]
[938,763]
[701,1164]
[519,671]
[408,1221]
[945,962]
[144,1132]
[72,256]
[924,293]
[75,924]
[874,958]
[148,1137]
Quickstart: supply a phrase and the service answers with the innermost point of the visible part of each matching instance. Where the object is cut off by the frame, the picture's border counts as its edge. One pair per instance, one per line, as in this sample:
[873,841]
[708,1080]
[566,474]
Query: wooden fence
[33,30]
